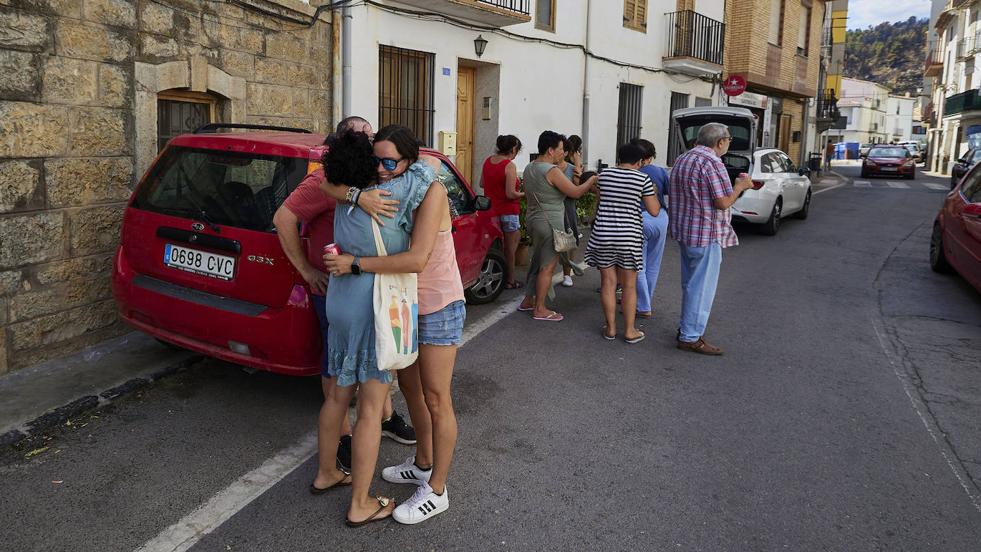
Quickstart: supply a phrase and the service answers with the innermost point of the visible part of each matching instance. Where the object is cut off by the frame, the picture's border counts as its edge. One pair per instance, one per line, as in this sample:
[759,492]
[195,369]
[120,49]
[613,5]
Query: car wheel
[802,214]
[938,261]
[772,225]
[911,175]
[490,284]
[865,174]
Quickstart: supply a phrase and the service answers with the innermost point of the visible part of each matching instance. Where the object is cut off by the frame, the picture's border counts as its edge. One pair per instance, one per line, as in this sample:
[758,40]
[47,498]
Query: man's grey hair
[710,134]
[348,122]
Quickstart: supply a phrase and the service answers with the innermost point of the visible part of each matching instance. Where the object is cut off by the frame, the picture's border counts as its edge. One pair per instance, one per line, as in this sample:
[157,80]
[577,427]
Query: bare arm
[743,183]
[429,217]
[564,185]
[511,182]
[289,238]
[652,205]
[371,202]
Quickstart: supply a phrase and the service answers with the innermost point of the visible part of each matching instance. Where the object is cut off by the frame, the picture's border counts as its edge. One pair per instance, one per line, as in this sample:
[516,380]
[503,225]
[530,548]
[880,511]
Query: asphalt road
[845,415]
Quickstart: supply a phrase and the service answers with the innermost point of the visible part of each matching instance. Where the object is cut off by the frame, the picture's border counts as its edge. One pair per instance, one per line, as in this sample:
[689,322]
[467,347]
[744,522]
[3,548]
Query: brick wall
[70,142]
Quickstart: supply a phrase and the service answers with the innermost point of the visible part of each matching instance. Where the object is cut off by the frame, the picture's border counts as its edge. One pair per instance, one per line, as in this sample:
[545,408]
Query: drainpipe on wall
[346,20]
[337,94]
[585,95]
[803,132]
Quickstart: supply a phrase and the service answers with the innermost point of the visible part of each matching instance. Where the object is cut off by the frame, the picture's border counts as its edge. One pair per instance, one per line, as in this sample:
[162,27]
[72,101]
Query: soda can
[332,249]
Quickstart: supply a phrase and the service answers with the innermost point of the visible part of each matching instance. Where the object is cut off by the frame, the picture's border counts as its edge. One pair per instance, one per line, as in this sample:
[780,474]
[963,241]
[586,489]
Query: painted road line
[828,180]
[935,186]
[190,529]
[822,190]
[863,184]
[898,185]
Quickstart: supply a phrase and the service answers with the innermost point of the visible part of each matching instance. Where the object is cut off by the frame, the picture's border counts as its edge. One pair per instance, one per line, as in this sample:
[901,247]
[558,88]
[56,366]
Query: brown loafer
[700,346]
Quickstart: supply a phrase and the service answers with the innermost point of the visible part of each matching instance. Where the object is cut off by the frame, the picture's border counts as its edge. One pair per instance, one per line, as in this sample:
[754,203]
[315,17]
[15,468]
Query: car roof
[289,144]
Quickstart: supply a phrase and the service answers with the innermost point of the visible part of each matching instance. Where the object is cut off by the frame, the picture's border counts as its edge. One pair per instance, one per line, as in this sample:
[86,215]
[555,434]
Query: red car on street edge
[200,266]
[887,160]
[956,241]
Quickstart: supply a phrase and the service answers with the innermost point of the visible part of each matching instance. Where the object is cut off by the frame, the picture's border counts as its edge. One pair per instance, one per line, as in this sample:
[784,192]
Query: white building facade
[573,66]
[899,117]
[864,105]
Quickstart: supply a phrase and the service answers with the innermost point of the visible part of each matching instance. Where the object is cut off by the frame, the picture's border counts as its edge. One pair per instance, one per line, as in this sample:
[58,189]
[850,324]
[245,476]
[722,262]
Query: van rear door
[742,127]
[201,221]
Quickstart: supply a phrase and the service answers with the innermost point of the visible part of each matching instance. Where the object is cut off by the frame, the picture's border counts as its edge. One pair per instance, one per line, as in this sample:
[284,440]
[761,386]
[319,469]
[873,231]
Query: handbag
[395,299]
[562,241]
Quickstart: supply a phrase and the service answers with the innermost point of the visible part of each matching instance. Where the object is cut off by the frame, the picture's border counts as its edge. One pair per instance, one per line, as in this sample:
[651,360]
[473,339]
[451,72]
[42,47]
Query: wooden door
[783,133]
[466,78]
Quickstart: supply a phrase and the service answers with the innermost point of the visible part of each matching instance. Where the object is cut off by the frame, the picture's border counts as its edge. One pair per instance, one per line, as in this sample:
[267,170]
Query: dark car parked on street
[887,160]
[955,245]
[964,164]
[200,266]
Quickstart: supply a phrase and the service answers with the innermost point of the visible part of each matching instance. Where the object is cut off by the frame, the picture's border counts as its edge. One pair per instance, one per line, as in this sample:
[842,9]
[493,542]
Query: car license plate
[199,262]
[889,169]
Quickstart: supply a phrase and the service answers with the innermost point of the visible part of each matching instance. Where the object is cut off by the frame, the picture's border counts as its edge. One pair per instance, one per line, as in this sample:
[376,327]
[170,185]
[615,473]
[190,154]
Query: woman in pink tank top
[426,384]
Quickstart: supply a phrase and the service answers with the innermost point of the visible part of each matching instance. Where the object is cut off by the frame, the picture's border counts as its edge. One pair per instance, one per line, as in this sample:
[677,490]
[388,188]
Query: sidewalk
[46,395]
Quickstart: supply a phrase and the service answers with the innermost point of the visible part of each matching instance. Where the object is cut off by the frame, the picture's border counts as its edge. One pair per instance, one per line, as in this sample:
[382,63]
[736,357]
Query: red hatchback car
[956,241]
[885,160]
[200,266]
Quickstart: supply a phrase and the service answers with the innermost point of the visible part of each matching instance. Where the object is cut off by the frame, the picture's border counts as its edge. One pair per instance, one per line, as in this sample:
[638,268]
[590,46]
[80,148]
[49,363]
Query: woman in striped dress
[616,243]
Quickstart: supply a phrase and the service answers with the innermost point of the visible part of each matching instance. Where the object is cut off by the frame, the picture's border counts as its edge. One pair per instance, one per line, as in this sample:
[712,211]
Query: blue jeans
[699,278]
[655,233]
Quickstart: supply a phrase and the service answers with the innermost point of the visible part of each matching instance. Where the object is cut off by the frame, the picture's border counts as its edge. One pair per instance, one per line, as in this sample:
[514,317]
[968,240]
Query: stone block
[301,103]
[29,239]
[62,8]
[305,75]
[228,36]
[19,186]
[62,326]
[272,71]
[96,229]
[33,130]
[21,31]
[113,86]
[4,364]
[21,79]
[250,40]
[73,293]
[10,282]
[285,46]
[158,19]
[72,269]
[158,47]
[98,131]
[72,182]
[120,13]
[94,42]
[70,81]
[267,99]
[238,64]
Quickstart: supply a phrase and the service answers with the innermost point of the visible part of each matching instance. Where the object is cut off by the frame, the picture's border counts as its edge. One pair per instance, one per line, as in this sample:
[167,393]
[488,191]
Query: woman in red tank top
[500,181]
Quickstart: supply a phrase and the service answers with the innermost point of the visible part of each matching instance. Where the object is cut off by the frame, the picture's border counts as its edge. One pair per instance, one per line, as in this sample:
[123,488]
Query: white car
[779,188]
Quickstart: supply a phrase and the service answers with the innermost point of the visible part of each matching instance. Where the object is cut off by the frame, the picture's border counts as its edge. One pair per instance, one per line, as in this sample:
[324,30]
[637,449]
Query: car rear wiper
[200,210]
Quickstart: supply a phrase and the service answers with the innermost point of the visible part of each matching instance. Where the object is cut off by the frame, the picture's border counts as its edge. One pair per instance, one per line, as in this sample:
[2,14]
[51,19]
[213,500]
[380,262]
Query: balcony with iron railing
[695,43]
[962,103]
[934,65]
[495,13]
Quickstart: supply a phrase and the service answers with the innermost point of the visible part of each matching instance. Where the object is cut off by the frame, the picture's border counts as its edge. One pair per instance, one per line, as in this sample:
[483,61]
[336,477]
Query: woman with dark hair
[499,179]
[546,189]
[616,243]
[351,357]
[655,231]
[571,167]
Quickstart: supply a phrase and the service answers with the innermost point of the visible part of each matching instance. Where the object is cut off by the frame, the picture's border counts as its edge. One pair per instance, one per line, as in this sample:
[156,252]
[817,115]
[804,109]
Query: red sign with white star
[734,85]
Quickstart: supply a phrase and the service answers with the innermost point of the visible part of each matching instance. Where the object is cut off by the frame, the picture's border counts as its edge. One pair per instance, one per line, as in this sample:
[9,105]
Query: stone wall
[72,148]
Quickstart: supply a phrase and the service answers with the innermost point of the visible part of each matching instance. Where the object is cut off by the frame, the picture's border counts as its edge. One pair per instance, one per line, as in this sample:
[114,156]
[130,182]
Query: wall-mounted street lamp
[479,44]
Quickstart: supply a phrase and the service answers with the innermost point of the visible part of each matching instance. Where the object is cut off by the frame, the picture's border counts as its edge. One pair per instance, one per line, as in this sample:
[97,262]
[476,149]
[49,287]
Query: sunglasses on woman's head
[387,163]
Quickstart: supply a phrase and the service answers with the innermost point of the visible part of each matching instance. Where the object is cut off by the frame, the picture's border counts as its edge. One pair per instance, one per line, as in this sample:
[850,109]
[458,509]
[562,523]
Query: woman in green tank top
[545,191]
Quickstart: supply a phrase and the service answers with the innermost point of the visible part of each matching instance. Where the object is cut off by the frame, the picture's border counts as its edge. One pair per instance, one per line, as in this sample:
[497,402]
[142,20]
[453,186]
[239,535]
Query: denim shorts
[443,327]
[510,223]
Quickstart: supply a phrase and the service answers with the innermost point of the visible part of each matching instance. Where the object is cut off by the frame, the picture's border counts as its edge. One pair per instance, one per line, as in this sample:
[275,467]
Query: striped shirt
[697,178]
[617,237]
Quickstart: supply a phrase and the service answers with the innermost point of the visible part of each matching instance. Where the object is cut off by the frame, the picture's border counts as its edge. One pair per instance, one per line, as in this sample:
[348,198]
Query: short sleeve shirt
[697,179]
[316,211]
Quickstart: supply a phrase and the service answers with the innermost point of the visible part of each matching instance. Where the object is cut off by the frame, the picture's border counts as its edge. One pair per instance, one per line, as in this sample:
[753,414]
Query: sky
[862,13]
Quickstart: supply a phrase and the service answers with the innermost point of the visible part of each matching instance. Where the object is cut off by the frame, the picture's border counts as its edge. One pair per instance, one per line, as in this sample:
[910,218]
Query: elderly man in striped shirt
[701,195]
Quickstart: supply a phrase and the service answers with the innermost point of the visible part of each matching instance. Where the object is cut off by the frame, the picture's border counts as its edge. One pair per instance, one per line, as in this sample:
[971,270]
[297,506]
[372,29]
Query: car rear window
[226,188]
[889,152]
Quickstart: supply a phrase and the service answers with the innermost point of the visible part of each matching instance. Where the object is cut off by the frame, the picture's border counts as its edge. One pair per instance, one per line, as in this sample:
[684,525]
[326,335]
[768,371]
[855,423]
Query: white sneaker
[407,472]
[423,505]
[567,281]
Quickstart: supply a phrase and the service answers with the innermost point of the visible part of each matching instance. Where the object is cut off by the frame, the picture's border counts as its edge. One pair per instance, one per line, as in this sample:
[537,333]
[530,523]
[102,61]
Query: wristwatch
[356,266]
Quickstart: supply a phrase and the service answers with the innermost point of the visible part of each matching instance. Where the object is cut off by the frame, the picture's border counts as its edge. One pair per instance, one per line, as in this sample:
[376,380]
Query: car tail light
[757,184]
[869,162]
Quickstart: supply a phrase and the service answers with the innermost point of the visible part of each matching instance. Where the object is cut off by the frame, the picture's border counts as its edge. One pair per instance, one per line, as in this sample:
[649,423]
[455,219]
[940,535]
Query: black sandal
[343,482]
[513,285]
[383,503]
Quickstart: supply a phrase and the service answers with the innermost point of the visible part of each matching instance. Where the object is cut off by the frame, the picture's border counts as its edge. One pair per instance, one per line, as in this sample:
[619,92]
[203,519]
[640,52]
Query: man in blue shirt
[655,230]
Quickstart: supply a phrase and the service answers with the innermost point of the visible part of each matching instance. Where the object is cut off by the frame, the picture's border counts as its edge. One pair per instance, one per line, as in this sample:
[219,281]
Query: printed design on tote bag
[393,315]
[403,315]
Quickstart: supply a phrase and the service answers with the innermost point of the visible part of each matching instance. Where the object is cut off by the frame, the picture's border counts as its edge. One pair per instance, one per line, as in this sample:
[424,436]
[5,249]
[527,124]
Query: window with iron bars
[405,90]
[628,115]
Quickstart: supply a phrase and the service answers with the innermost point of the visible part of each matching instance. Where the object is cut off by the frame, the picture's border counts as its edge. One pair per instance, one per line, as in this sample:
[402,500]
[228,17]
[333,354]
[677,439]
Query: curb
[59,415]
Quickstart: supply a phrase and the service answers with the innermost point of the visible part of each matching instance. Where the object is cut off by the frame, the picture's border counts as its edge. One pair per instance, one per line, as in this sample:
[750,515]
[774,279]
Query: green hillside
[890,54]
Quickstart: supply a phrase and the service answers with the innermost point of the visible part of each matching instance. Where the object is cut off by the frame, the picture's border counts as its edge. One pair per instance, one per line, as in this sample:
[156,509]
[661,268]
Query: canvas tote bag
[396,303]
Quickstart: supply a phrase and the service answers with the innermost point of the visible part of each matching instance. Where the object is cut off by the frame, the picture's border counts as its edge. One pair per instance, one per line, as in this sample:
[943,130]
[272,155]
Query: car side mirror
[863,155]
[803,171]
[482,203]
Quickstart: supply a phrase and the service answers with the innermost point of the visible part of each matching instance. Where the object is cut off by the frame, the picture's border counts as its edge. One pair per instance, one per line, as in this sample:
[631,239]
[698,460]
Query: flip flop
[607,336]
[383,503]
[513,285]
[525,309]
[637,339]
[552,317]
[645,314]
[344,482]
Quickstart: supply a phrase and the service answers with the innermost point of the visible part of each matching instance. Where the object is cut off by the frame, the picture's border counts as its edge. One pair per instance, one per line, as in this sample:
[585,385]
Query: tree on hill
[890,54]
